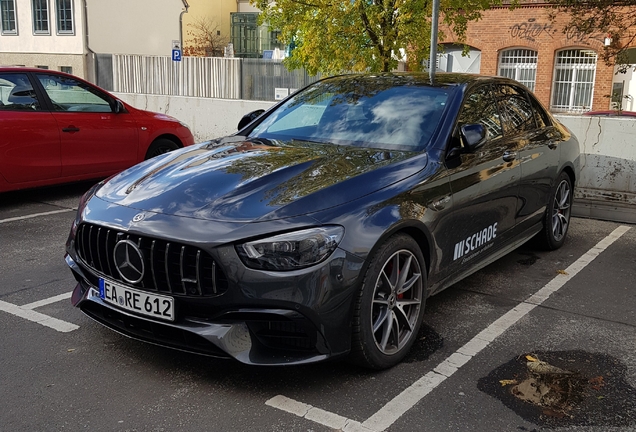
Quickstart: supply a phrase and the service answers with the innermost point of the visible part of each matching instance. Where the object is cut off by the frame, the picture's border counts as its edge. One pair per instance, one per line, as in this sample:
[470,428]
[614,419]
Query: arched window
[573,86]
[520,65]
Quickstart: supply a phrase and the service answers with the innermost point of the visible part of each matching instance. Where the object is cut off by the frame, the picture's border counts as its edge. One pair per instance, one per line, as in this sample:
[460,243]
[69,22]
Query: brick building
[564,69]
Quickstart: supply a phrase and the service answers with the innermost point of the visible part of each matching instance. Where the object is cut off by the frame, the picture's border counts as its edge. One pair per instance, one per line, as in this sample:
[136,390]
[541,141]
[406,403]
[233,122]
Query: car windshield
[394,114]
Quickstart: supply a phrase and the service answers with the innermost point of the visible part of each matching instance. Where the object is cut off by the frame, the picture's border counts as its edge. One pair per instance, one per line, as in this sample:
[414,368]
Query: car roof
[30,69]
[442,79]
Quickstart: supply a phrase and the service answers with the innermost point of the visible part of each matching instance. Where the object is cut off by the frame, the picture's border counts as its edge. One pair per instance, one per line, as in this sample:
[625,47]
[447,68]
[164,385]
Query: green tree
[602,18]
[332,36]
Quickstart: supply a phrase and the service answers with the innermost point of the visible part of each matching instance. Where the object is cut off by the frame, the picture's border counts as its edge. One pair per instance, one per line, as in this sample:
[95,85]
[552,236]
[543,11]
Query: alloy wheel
[397,300]
[561,210]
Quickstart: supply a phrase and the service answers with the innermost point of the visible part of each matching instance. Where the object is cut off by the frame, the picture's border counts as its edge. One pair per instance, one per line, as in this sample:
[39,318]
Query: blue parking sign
[176,55]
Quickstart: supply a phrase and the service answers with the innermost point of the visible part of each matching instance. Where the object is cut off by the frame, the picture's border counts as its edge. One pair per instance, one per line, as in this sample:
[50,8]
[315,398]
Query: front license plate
[141,302]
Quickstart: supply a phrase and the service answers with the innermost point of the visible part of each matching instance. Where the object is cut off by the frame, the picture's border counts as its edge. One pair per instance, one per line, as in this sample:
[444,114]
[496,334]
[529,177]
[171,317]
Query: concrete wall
[606,187]
[208,118]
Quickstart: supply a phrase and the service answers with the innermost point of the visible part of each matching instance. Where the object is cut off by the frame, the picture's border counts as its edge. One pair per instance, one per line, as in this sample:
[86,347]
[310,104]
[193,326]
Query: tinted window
[515,109]
[68,94]
[16,93]
[363,112]
[480,107]
[541,117]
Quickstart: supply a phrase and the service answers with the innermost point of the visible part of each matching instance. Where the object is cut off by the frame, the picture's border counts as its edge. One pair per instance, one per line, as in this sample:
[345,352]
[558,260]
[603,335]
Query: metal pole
[434,24]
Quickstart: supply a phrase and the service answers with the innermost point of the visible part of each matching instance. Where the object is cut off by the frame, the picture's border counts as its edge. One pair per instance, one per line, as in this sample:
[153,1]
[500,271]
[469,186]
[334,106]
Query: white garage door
[452,60]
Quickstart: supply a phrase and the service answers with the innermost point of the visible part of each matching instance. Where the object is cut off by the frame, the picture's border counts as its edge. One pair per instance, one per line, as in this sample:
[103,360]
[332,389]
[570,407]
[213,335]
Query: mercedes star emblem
[129,261]
[138,217]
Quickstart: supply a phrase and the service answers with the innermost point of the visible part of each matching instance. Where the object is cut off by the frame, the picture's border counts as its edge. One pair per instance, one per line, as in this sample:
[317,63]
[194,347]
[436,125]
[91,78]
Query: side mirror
[473,135]
[249,118]
[118,107]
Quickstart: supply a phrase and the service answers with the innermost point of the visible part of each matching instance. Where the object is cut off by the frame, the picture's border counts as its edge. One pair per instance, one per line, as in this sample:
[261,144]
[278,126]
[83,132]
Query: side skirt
[514,244]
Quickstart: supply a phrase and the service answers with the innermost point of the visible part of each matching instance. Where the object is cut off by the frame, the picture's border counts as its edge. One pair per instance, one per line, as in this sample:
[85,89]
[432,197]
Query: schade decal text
[475,241]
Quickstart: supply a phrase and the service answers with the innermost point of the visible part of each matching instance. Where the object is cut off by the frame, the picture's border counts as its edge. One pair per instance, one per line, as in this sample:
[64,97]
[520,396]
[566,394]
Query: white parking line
[34,215]
[28,313]
[47,301]
[394,409]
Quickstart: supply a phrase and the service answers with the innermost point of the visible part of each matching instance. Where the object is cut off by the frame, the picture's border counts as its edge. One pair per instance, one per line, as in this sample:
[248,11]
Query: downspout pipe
[185,10]
[90,72]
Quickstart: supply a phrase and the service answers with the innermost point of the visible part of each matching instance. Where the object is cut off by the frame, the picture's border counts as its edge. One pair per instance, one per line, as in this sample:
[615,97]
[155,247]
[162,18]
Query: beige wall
[245,6]
[145,27]
[53,61]
[217,11]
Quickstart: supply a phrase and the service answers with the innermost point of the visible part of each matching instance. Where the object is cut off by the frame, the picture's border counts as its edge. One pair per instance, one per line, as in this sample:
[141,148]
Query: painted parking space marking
[34,215]
[29,314]
[47,301]
[399,405]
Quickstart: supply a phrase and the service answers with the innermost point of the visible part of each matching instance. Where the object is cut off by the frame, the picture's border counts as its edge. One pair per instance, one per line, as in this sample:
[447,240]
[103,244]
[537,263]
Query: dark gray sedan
[321,227]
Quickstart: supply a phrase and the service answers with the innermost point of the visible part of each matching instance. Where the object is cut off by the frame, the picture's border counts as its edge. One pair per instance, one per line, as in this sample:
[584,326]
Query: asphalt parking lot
[573,309]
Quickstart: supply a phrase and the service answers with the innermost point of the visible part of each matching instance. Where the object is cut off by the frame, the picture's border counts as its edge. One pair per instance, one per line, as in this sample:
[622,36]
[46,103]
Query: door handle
[509,156]
[70,129]
[552,145]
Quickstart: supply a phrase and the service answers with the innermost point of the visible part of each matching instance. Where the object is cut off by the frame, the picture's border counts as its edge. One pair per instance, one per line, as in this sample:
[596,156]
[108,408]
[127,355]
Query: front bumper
[264,318]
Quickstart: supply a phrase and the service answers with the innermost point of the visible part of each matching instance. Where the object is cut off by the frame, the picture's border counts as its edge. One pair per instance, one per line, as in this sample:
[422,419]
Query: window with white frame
[64,9]
[7,12]
[573,86]
[41,16]
[520,65]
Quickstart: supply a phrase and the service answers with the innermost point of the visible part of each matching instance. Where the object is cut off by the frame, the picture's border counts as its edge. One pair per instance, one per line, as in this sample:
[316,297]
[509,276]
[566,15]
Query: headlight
[80,207]
[83,200]
[291,251]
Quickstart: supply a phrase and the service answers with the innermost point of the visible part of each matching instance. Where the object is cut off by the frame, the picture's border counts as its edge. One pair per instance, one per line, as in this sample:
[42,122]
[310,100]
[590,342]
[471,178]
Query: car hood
[159,116]
[244,181]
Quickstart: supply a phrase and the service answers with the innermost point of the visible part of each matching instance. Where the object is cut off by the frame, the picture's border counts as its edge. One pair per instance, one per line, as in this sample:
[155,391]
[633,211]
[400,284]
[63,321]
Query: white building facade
[43,33]
[65,35]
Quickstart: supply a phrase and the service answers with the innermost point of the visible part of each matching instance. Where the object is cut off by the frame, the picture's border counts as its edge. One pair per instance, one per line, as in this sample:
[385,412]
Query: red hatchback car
[57,128]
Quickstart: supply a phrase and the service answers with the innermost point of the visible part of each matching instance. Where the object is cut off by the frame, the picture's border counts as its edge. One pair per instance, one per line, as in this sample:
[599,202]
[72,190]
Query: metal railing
[213,77]
[260,78]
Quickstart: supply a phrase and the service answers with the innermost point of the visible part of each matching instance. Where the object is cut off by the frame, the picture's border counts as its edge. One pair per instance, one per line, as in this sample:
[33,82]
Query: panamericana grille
[170,267]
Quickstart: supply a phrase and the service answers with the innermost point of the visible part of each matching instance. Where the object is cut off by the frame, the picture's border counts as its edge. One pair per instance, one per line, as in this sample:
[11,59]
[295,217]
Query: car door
[94,139]
[484,183]
[29,137]
[529,127]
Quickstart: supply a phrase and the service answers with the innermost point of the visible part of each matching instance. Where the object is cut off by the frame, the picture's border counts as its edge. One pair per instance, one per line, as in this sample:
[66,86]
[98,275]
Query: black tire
[556,220]
[391,304]
[159,147]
